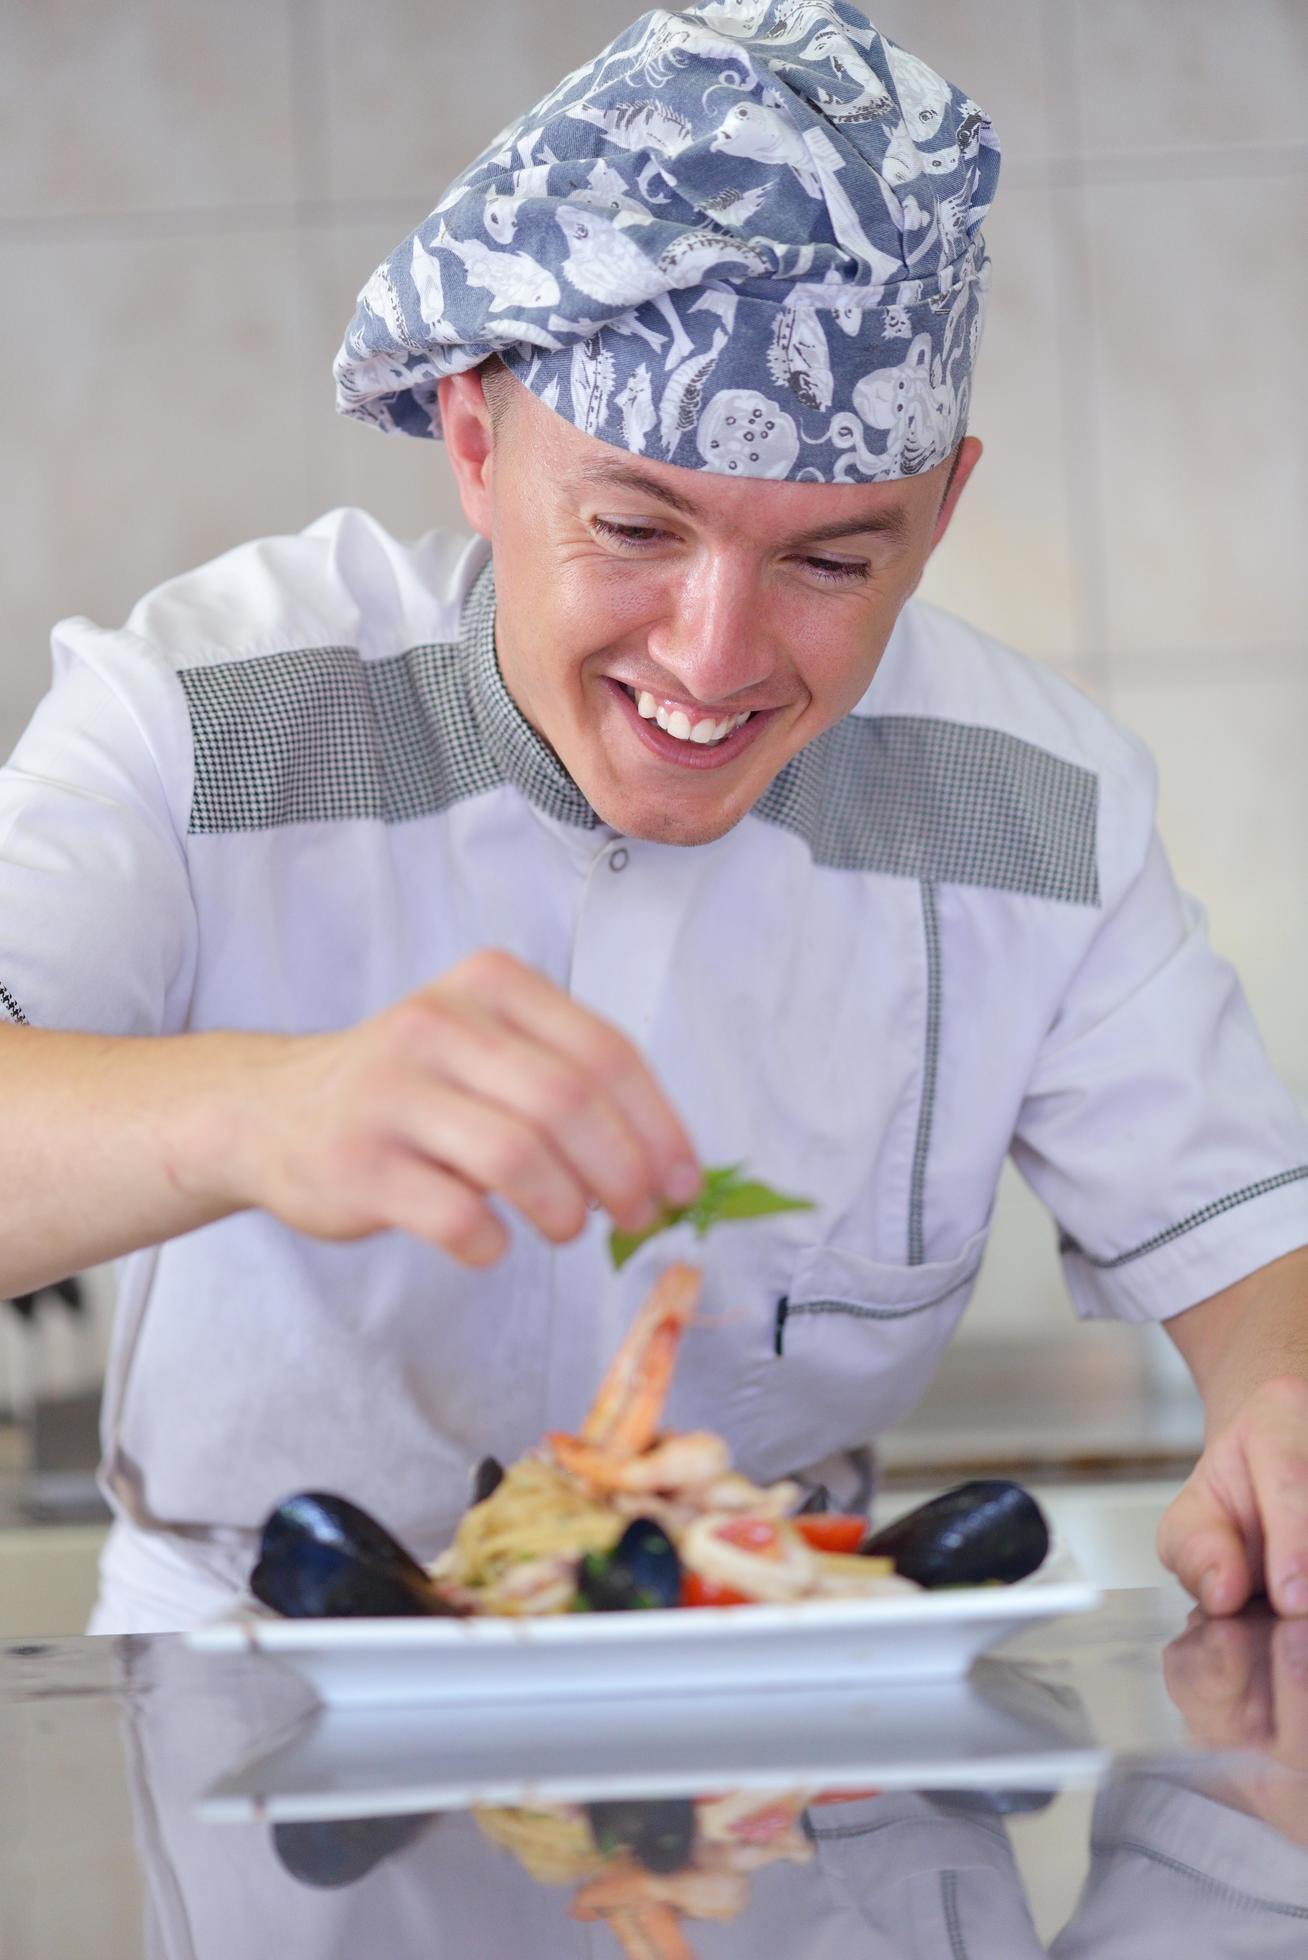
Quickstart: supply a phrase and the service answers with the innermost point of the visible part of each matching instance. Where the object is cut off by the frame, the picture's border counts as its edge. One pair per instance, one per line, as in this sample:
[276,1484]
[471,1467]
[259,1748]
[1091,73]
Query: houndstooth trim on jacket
[12,1009]
[320,735]
[943,802]
[1191,1224]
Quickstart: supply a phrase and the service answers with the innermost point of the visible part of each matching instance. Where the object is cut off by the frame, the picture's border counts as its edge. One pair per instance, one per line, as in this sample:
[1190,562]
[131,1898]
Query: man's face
[632,594]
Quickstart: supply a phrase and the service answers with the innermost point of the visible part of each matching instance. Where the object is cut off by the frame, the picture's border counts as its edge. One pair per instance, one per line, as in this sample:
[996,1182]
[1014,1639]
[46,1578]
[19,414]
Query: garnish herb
[725,1196]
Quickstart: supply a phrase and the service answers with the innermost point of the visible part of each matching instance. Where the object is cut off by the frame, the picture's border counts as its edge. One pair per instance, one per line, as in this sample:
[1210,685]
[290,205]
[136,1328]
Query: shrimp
[650,1932]
[624,1416]
[673,1463]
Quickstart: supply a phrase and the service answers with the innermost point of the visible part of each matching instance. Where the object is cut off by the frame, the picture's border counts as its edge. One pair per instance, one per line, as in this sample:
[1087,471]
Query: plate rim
[949,1606]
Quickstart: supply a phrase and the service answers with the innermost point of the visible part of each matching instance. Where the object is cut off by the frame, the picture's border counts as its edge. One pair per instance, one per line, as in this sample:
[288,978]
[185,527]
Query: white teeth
[677,723]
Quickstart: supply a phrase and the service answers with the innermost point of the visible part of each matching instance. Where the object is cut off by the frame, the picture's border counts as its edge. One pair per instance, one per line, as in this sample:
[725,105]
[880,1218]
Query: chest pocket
[854,1344]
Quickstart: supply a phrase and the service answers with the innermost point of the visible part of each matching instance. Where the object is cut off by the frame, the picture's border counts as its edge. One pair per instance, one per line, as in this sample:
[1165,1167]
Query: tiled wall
[191,194]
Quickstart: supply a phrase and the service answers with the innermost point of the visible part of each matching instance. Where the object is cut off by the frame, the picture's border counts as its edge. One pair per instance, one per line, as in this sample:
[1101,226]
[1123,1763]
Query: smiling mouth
[671,734]
[706,730]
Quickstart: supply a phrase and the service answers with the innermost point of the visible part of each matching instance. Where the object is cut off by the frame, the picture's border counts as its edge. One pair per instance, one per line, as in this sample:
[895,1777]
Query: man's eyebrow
[649,486]
[890,521]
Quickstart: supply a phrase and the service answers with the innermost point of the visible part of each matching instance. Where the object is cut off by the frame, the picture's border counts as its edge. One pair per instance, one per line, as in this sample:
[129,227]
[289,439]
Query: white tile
[1205,76]
[1201,451]
[155,419]
[996,53]
[1008,563]
[412,98]
[404,481]
[149,106]
[1233,810]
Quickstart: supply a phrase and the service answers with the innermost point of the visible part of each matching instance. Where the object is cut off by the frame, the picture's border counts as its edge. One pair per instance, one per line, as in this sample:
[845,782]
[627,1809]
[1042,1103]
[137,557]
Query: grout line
[208,220]
[1068,172]
[1207,666]
[1078,375]
[312,181]
[309,105]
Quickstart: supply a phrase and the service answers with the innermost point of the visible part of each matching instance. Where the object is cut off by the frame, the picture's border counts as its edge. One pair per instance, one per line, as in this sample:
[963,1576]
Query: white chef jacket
[293,788]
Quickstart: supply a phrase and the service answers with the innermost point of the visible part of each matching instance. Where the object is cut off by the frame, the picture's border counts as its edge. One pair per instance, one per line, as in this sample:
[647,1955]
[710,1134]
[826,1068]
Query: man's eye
[837,571]
[635,534]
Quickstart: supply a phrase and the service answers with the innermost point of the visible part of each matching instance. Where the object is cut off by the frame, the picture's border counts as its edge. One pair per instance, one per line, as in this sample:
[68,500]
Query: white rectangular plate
[913,1636]
[1003,1728]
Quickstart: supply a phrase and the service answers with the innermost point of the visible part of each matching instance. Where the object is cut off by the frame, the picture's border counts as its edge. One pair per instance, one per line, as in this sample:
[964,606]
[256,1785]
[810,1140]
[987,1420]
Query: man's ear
[469,444]
[965,461]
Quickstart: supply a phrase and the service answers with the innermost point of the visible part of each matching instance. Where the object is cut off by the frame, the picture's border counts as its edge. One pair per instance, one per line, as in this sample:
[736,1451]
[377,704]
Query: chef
[381,922]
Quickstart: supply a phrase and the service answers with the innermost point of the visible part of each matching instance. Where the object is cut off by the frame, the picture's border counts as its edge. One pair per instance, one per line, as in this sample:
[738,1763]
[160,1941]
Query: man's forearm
[109,1143]
[1251,1333]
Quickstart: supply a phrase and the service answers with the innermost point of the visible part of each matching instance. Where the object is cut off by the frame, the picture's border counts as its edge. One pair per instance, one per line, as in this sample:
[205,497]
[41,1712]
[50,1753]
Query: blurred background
[191,196]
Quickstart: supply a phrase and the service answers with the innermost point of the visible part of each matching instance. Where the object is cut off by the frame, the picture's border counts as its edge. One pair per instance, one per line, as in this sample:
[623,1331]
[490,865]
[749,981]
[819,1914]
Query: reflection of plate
[1000,1729]
[910,1636]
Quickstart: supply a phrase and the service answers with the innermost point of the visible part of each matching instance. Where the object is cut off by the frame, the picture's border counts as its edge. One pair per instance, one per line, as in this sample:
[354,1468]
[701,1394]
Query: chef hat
[744,238]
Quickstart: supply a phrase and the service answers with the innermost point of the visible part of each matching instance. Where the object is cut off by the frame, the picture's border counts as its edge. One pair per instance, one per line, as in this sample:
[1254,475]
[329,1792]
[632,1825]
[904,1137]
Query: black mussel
[322,1557]
[331,1852]
[816,1502]
[985,1532]
[999,1803]
[642,1571]
[659,1832]
[486,1479]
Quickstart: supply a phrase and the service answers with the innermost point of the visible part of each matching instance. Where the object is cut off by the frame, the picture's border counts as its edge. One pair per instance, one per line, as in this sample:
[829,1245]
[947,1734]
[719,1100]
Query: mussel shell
[321,1557]
[642,1571]
[985,1532]
[486,1479]
[330,1852]
[817,1502]
[659,1832]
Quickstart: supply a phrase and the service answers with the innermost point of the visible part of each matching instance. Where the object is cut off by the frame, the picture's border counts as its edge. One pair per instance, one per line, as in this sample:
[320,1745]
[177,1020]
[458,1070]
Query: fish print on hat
[745,238]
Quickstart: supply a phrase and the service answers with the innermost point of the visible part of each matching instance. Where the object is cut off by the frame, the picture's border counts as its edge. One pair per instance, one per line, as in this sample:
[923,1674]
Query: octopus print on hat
[745,238]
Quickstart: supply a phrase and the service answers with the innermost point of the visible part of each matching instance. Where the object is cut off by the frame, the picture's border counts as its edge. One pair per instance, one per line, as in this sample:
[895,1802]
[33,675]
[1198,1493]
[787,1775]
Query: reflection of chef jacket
[294,788]
[1174,1871]
[900,1877]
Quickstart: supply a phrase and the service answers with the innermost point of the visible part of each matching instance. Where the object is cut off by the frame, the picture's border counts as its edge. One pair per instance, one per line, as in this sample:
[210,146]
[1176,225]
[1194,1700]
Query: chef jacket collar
[517,750]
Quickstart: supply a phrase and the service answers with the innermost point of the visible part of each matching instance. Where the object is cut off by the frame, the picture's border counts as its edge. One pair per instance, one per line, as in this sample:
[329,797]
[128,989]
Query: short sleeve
[97,924]
[1153,1126]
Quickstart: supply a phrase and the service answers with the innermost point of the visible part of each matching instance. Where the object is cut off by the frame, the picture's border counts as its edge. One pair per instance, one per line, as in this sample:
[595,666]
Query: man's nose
[713,638]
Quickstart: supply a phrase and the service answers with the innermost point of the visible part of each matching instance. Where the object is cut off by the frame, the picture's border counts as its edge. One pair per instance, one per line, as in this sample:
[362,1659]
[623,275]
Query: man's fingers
[1217,1674]
[494,1151]
[538,1009]
[541,1093]
[1202,1545]
[1290,1681]
[1277,1455]
[434,1205]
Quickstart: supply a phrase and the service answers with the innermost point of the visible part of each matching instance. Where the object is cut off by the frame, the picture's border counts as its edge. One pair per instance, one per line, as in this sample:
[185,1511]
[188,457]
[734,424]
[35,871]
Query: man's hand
[488,1083]
[1239,1525]
[1242,1685]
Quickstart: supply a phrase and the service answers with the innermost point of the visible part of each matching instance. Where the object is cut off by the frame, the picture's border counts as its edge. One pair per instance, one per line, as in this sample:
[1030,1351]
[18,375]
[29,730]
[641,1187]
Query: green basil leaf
[725,1197]
[753,1200]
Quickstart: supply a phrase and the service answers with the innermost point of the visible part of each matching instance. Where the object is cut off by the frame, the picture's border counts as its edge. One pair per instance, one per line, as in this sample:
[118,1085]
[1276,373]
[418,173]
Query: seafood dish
[645,1865]
[625,1515]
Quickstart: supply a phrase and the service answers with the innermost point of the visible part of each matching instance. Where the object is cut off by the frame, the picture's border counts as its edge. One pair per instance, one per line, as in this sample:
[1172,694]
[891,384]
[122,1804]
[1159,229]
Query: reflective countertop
[1133,1782]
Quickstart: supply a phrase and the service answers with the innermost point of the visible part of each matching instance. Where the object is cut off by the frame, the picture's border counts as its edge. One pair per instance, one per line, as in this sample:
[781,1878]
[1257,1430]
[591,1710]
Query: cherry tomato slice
[830,1531]
[706,1592]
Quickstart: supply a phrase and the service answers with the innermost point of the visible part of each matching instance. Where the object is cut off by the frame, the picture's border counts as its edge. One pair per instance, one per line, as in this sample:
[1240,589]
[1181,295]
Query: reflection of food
[645,1866]
[626,1515]
[518,1550]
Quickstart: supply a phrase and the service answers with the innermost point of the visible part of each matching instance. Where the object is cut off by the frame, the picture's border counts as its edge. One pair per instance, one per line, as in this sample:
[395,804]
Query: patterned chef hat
[744,238]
